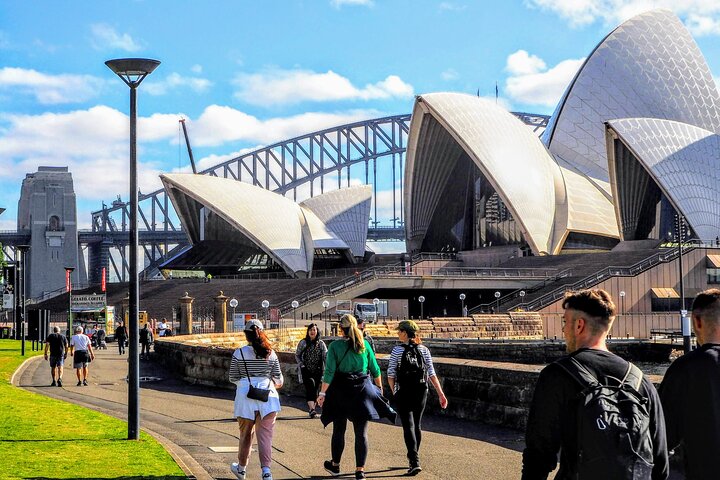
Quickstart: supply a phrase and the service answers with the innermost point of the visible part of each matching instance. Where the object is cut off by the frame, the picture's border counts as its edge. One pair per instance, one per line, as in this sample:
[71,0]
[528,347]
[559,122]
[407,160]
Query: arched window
[54,223]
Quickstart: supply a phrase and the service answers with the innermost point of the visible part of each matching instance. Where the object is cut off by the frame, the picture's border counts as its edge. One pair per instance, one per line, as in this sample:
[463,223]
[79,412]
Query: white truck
[366,311]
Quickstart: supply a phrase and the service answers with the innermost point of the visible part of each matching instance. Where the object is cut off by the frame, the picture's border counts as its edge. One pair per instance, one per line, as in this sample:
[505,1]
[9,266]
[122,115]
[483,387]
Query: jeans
[337,445]
[410,405]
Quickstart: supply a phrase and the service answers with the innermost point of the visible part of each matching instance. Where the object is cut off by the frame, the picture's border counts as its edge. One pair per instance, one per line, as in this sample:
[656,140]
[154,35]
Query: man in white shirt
[82,353]
[162,327]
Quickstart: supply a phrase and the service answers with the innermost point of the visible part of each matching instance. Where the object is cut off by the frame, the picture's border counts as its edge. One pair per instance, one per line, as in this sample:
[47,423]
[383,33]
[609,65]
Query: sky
[246,74]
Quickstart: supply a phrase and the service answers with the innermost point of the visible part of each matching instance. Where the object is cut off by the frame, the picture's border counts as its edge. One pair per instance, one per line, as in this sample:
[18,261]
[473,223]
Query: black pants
[337,444]
[312,383]
[121,345]
[145,350]
[410,405]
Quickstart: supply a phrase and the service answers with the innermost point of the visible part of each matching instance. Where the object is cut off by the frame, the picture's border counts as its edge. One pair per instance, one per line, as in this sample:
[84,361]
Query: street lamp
[421,299]
[497,302]
[622,302]
[68,287]
[21,283]
[133,71]
[233,304]
[462,304]
[684,319]
[265,304]
[376,302]
[522,298]
[325,305]
[294,304]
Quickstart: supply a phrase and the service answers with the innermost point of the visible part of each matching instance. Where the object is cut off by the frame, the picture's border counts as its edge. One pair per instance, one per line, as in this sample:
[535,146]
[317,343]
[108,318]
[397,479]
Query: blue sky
[246,74]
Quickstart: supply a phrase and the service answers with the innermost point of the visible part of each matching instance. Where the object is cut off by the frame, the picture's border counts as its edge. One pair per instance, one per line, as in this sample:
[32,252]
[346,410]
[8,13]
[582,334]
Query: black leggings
[361,440]
[410,407]
[312,384]
[121,344]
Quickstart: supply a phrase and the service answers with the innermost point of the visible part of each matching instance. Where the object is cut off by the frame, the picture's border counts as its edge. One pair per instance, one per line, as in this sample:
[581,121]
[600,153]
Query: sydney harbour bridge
[370,151]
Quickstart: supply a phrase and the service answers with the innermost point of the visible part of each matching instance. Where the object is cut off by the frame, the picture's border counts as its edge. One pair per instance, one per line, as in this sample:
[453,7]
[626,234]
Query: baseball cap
[408,326]
[250,324]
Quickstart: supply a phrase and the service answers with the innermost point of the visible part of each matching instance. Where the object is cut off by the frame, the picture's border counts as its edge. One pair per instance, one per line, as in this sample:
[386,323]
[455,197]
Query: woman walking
[310,357]
[258,366]
[347,393]
[409,370]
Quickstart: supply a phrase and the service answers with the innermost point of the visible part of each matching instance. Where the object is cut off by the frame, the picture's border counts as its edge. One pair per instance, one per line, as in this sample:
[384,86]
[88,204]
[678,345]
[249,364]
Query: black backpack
[613,435]
[411,370]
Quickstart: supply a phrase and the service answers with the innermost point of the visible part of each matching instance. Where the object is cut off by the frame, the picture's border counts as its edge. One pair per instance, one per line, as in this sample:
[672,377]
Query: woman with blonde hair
[255,365]
[348,393]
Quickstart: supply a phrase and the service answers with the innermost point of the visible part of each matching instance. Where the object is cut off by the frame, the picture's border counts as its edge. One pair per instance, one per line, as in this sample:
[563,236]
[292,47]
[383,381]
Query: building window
[713,276]
[54,224]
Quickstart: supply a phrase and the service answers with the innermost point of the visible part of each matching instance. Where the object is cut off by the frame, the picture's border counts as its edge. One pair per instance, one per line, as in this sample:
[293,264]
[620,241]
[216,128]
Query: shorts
[58,361]
[81,359]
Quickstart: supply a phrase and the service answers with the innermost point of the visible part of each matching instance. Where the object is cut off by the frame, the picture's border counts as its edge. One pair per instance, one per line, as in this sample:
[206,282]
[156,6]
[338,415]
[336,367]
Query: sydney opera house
[632,145]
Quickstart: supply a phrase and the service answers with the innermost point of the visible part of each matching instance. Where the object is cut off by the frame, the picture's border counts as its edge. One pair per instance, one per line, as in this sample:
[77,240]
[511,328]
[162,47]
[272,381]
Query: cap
[253,323]
[408,326]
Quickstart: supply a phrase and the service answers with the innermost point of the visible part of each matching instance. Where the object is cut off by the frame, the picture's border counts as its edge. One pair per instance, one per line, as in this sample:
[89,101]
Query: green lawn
[45,438]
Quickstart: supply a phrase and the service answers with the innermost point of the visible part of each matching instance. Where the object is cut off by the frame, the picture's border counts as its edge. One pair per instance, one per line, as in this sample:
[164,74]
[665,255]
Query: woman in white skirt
[255,364]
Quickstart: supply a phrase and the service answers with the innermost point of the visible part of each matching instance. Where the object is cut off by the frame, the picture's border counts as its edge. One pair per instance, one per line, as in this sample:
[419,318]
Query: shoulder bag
[254,393]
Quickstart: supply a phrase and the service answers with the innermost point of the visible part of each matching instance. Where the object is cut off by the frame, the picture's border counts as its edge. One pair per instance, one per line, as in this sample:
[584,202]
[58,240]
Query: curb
[190,467]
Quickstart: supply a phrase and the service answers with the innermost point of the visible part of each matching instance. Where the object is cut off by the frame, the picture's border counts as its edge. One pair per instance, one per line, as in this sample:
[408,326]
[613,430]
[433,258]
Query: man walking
[121,335]
[82,353]
[690,393]
[56,345]
[596,409]
[146,339]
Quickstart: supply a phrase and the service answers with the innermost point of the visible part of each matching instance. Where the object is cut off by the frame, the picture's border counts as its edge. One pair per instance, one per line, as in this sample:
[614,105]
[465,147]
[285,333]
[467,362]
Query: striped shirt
[396,355]
[257,367]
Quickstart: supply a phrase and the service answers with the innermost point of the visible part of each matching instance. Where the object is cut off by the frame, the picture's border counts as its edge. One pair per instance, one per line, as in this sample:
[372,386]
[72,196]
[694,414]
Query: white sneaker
[235,468]
[267,476]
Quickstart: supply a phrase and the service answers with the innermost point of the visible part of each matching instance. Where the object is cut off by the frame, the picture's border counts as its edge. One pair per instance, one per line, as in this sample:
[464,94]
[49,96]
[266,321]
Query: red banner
[68,282]
[102,281]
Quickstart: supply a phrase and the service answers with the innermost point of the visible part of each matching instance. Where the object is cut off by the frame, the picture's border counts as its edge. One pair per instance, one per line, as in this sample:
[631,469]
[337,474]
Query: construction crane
[187,142]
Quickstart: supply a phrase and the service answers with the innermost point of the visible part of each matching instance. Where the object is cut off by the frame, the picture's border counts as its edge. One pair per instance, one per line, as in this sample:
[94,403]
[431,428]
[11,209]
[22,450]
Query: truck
[366,311]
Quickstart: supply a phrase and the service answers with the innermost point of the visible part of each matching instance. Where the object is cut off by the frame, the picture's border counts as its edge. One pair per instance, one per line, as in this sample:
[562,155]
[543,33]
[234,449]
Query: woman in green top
[350,394]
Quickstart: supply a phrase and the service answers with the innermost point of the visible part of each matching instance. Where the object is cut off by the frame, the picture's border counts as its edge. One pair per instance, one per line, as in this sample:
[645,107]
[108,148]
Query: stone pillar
[220,313]
[186,316]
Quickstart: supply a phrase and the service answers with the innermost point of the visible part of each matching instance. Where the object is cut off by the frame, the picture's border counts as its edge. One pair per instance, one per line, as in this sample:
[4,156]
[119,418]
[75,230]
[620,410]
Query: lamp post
[325,305]
[497,302]
[684,319]
[376,302]
[22,249]
[265,304]
[522,298]
[421,299]
[133,71]
[462,304]
[233,304]
[294,304]
[68,287]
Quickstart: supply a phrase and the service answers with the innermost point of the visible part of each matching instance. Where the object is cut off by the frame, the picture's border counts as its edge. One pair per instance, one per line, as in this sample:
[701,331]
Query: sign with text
[84,303]
[7,303]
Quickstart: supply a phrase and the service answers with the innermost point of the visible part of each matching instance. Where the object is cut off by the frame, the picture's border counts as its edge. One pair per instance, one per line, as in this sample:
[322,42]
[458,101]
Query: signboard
[239,320]
[87,303]
[7,302]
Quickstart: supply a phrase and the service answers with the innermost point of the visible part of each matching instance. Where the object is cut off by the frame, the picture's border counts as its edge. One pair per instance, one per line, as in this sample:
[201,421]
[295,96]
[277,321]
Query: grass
[41,437]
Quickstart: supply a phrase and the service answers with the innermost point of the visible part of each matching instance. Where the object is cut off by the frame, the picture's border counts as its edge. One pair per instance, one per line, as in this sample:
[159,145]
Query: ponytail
[348,323]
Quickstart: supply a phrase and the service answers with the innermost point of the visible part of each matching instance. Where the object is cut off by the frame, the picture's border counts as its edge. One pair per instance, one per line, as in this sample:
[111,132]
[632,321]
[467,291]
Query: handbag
[254,393]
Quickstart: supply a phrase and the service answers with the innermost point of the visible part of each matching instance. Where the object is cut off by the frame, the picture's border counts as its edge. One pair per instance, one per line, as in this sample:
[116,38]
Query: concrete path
[195,424]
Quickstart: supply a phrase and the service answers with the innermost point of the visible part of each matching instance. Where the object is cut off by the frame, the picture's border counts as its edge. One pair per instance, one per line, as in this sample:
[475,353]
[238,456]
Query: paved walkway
[195,424]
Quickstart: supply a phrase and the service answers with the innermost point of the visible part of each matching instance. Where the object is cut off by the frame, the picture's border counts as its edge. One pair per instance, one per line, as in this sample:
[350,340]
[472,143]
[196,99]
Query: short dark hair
[596,303]
[707,305]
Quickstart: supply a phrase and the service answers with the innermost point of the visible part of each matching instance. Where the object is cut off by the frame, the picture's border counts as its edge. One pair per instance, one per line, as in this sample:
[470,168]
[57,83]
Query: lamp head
[132,70]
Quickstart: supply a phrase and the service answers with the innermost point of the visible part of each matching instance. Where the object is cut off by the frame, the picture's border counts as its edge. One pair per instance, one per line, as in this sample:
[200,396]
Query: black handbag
[254,393]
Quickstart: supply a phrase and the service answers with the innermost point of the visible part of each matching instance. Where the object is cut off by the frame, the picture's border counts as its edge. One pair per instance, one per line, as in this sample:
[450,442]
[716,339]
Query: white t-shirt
[162,326]
[80,341]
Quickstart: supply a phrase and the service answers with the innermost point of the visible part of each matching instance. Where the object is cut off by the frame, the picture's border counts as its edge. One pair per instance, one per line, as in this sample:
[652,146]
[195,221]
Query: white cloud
[340,3]
[449,74]
[105,37]
[451,7]
[701,16]
[294,86]
[532,83]
[49,89]
[196,69]
[175,80]
[522,63]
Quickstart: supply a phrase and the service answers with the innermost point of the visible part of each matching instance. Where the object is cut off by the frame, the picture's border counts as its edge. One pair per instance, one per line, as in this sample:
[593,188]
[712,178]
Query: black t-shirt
[690,394]
[57,344]
[552,423]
